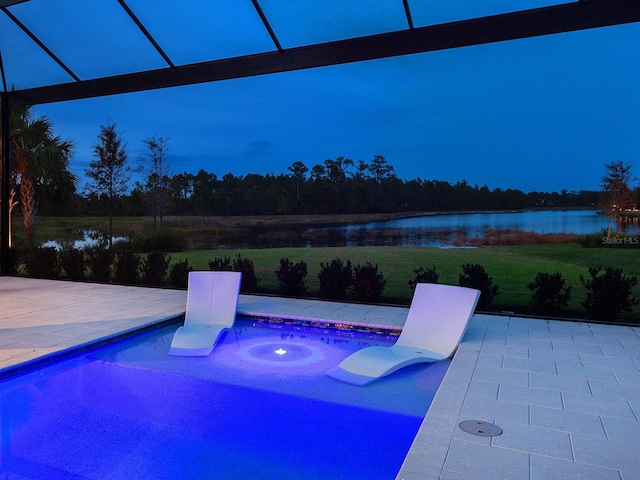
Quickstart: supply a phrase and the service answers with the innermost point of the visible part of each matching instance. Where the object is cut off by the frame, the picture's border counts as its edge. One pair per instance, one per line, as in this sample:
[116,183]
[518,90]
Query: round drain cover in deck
[480,428]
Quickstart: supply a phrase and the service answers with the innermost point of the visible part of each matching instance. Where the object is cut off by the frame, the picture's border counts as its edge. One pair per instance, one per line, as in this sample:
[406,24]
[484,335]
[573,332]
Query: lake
[445,230]
[434,229]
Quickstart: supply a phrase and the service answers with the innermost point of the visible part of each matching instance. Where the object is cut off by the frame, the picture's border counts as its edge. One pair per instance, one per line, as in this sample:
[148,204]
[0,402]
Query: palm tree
[38,158]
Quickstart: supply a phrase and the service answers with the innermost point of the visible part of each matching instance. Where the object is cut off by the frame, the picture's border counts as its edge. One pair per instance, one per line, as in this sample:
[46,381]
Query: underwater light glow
[297,353]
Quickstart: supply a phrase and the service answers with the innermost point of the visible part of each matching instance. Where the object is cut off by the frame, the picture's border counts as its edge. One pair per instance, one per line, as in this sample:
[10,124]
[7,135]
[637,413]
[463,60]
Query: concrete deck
[567,395]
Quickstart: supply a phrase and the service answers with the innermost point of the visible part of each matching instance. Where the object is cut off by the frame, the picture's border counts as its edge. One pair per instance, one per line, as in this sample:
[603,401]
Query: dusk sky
[539,114]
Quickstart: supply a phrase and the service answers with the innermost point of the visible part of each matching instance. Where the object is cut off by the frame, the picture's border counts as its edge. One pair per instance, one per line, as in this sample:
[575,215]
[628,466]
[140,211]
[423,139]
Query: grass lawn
[511,267]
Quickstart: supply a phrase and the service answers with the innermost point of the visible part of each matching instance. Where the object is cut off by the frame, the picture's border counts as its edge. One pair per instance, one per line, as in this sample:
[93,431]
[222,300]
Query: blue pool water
[129,410]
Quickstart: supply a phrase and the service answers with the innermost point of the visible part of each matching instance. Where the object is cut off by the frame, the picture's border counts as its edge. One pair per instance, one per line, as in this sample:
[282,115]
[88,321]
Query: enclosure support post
[5,184]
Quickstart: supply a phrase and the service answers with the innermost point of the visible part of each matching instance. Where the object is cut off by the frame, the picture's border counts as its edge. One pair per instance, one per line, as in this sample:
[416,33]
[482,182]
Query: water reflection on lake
[445,230]
[90,238]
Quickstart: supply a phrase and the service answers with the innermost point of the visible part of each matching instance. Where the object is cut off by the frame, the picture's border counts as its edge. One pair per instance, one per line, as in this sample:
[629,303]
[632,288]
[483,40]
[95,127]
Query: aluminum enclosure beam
[5,185]
[580,15]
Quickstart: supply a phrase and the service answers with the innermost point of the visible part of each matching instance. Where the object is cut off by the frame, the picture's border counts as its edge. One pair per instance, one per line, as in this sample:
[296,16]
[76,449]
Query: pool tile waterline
[564,393]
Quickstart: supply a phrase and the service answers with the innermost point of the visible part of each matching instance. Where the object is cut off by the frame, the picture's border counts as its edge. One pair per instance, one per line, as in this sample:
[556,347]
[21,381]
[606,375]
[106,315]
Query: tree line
[337,186]
[43,182]
[204,193]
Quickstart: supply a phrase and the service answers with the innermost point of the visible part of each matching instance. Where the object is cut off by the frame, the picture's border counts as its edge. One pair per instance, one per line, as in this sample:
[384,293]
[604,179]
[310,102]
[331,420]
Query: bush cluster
[179,274]
[126,266]
[368,283]
[42,262]
[336,278]
[154,268]
[423,275]
[340,279]
[99,262]
[291,277]
[73,263]
[249,282]
[474,276]
[609,293]
[548,293]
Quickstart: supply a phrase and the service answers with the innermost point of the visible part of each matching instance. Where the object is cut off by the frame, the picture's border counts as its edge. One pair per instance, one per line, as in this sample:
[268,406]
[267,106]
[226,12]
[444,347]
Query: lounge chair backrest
[212,298]
[438,317]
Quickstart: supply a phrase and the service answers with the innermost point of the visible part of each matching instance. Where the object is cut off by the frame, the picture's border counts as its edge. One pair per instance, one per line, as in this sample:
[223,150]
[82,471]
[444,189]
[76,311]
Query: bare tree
[156,187]
[617,194]
[109,170]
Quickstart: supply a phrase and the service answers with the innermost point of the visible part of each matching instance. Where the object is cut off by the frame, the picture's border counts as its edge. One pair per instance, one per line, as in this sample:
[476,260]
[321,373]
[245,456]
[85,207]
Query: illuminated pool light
[295,354]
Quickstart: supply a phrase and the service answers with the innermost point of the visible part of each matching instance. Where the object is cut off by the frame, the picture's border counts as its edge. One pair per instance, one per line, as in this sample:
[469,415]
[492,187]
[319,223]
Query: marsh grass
[517,237]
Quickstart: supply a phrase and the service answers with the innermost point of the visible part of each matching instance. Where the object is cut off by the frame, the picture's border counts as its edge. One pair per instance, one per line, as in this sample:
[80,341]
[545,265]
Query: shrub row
[120,265]
[609,291]
[337,279]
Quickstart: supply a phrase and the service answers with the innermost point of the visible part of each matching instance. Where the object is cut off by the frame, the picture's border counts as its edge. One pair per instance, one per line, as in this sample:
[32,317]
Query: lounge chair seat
[212,299]
[435,325]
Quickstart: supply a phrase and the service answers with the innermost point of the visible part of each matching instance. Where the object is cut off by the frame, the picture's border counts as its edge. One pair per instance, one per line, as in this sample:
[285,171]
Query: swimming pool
[260,406]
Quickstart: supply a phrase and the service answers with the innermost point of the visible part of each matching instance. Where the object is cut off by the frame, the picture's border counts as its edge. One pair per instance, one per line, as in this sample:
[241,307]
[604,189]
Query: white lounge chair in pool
[437,320]
[212,299]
